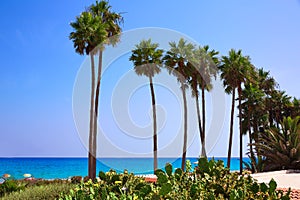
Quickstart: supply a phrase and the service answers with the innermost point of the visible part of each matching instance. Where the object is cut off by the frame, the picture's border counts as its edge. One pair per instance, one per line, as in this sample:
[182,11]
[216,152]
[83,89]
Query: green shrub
[48,190]
[210,180]
[281,147]
[10,186]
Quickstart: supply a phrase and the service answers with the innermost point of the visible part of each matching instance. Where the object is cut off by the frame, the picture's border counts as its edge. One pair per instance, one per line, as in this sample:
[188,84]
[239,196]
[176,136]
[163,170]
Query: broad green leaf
[165,189]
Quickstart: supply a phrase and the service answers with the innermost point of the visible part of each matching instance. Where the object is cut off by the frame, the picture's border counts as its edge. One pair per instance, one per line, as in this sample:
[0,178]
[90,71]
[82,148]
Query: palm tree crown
[88,33]
[147,58]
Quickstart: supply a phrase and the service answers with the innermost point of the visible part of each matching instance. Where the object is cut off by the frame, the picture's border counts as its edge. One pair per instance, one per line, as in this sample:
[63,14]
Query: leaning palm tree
[147,60]
[176,61]
[88,33]
[111,22]
[235,70]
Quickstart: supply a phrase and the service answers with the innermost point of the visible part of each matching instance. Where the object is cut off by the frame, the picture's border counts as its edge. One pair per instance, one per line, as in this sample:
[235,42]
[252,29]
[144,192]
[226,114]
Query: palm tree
[176,61]
[93,27]
[295,108]
[111,22]
[265,82]
[194,80]
[253,115]
[277,103]
[235,71]
[147,60]
[203,67]
[88,32]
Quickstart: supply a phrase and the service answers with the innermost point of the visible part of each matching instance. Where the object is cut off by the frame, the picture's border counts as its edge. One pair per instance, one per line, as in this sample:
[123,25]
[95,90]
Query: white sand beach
[283,178]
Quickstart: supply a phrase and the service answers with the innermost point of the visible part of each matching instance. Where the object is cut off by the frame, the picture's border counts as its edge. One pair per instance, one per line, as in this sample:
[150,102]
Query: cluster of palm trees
[192,66]
[260,103]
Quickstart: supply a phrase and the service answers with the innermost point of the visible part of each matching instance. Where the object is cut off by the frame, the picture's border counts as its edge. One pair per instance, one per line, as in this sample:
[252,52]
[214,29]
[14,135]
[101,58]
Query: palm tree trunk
[199,121]
[184,128]
[256,134]
[241,128]
[96,115]
[203,120]
[154,124]
[252,157]
[231,129]
[92,113]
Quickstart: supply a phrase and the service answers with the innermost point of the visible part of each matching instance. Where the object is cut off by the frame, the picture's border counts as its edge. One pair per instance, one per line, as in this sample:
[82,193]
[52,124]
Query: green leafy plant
[255,165]
[38,189]
[10,186]
[281,147]
[210,180]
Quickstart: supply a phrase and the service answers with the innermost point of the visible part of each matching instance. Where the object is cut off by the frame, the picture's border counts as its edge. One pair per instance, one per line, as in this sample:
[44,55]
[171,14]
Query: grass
[40,190]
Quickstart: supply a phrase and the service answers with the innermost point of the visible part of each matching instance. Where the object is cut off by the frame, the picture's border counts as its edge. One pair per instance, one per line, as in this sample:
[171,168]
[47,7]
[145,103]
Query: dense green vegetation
[210,180]
[280,147]
[36,190]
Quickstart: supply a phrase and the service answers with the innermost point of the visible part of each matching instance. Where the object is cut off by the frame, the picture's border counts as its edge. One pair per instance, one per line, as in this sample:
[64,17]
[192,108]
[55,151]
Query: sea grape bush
[209,180]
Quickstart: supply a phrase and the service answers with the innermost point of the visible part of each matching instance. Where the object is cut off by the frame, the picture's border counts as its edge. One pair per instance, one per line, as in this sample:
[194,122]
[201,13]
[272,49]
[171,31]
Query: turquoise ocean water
[51,168]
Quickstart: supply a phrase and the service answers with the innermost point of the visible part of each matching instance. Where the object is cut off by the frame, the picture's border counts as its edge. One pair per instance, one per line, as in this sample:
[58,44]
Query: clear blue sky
[39,64]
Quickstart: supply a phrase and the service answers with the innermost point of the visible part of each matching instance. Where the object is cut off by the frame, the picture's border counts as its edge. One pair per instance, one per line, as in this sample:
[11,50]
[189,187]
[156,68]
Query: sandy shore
[283,178]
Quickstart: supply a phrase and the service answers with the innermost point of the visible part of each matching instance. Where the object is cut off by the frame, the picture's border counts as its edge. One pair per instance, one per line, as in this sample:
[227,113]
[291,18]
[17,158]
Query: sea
[64,168]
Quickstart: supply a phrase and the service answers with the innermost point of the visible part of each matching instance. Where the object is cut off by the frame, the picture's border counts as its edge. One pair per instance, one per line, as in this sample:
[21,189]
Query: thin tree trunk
[231,129]
[96,115]
[256,134]
[199,121]
[92,113]
[154,124]
[241,129]
[203,119]
[250,141]
[184,128]
[251,150]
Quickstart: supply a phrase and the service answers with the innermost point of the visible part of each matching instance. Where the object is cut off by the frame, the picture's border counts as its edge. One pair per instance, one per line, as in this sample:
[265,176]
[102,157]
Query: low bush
[210,180]
[10,186]
[49,190]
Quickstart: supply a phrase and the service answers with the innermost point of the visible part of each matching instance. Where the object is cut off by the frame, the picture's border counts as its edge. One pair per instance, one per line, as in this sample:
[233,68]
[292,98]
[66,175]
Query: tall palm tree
[194,80]
[176,61]
[203,68]
[88,33]
[235,71]
[147,60]
[111,22]
[253,115]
